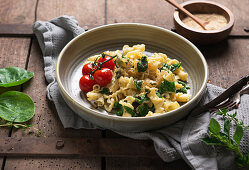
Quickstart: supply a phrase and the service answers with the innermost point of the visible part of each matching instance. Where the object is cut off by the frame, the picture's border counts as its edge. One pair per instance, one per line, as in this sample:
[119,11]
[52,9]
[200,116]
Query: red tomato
[86,83]
[103,76]
[110,64]
[86,70]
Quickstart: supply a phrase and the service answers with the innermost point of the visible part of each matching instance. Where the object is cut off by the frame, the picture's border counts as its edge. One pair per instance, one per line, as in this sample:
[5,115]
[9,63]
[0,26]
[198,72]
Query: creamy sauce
[215,21]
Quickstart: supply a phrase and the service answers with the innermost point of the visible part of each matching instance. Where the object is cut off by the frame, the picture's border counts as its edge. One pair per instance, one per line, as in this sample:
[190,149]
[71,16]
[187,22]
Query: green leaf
[118,74]
[182,90]
[227,127]
[174,67]
[141,99]
[214,126]
[142,110]
[105,91]
[142,65]
[167,86]
[222,112]
[158,94]
[16,106]
[120,111]
[138,84]
[119,108]
[117,105]
[238,134]
[211,141]
[129,110]
[13,76]
[165,67]
[182,83]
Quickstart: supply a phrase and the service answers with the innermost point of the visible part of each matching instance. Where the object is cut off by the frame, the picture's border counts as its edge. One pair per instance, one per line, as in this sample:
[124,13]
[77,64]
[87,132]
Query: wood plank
[90,13]
[75,147]
[14,57]
[13,51]
[156,12]
[227,61]
[16,30]
[17,12]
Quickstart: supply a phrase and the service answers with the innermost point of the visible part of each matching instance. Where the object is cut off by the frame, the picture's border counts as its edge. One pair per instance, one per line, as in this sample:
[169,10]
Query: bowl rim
[228,11]
[108,116]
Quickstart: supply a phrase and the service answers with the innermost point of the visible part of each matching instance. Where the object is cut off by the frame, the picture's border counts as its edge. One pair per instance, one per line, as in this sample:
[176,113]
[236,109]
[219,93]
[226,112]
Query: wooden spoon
[197,20]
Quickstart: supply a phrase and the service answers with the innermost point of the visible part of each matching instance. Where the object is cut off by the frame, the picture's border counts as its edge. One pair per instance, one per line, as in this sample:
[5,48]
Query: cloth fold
[180,140]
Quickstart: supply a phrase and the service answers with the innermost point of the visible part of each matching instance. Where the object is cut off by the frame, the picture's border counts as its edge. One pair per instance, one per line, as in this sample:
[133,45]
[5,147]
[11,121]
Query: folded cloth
[180,140]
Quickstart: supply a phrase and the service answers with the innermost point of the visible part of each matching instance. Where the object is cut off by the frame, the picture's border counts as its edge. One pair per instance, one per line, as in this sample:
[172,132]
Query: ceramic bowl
[113,37]
[208,36]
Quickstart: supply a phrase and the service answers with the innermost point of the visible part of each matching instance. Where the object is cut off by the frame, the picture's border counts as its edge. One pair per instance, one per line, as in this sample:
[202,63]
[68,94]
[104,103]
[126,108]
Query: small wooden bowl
[198,36]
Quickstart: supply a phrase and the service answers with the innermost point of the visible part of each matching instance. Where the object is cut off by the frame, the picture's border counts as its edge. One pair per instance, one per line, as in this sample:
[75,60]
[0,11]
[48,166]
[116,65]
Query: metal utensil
[236,87]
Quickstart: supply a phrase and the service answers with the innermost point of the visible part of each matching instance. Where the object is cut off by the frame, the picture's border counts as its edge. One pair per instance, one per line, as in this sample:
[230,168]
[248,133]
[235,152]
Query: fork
[233,101]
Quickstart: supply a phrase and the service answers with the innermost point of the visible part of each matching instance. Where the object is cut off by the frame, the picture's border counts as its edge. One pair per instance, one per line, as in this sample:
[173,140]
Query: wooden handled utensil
[197,20]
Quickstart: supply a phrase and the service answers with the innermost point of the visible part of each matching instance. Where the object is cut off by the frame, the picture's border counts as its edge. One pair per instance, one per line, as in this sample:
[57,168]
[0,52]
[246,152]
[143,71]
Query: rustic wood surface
[227,63]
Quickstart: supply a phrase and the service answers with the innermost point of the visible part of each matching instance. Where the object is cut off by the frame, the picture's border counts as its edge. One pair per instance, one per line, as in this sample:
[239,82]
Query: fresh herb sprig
[99,65]
[36,131]
[217,137]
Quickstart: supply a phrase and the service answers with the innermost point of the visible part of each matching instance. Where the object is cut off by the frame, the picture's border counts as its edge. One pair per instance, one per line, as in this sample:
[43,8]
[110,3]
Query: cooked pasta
[141,85]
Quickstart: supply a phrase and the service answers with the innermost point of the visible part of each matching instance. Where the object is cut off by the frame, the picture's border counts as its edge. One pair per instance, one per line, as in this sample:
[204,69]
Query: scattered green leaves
[167,86]
[142,65]
[105,91]
[138,84]
[13,76]
[16,106]
[172,67]
[142,110]
[216,137]
[130,110]
[118,74]
[184,89]
[141,99]
[119,108]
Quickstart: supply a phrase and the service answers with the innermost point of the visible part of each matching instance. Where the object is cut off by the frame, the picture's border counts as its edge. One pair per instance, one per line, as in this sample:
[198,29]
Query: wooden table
[227,61]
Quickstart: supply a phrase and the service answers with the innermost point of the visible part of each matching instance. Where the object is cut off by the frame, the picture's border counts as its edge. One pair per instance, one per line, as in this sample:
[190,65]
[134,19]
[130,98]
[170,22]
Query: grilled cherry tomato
[103,76]
[87,68]
[109,64]
[86,83]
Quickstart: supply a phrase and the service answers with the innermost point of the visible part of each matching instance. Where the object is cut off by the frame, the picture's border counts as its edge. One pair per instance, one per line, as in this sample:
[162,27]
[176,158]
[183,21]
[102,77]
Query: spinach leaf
[167,86]
[138,84]
[131,111]
[142,65]
[118,74]
[13,76]
[16,106]
[119,108]
[165,67]
[158,94]
[184,89]
[141,99]
[105,91]
[172,67]
[142,110]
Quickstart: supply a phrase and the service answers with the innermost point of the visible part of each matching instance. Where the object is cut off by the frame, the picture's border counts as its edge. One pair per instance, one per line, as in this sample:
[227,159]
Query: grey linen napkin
[180,140]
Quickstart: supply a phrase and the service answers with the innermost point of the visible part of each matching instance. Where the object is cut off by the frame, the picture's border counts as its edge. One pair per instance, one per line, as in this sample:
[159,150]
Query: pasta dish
[130,83]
